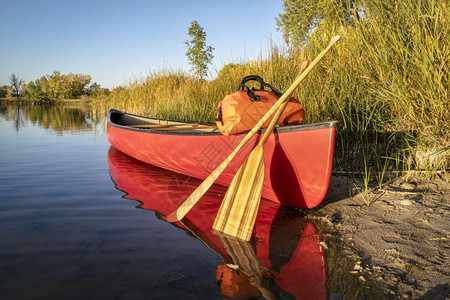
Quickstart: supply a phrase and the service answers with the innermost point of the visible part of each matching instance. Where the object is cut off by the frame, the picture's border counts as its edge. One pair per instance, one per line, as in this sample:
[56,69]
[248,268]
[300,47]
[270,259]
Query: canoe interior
[140,123]
[165,126]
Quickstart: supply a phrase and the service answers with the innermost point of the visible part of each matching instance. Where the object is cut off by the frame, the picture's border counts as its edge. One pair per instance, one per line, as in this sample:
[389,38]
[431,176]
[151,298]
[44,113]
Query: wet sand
[401,241]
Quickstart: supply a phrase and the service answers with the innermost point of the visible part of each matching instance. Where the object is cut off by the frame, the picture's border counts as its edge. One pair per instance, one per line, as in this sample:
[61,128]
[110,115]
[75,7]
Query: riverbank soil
[401,240]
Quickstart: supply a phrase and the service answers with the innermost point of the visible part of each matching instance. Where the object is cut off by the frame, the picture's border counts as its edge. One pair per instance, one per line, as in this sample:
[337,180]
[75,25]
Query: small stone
[357,267]
[406,202]
[361,278]
[407,186]
[323,245]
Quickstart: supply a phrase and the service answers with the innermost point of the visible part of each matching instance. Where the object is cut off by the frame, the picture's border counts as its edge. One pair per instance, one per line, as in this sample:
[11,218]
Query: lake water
[80,220]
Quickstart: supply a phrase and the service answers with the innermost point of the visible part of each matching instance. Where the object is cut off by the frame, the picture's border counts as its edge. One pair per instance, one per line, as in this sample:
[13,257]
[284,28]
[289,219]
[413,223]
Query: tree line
[57,86]
[53,87]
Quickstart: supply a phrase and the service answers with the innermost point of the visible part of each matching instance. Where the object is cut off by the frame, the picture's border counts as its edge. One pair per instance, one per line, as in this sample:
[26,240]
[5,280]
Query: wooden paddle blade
[239,208]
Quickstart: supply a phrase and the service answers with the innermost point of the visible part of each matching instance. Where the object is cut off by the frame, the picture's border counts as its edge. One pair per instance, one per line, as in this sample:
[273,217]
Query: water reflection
[57,118]
[284,260]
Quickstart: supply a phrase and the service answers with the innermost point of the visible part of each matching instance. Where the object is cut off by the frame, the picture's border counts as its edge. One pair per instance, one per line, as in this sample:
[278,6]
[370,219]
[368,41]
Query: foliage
[4,90]
[59,86]
[199,55]
[303,19]
[16,84]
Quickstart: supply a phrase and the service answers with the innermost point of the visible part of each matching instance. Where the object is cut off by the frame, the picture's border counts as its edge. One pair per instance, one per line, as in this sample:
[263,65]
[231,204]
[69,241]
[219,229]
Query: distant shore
[32,101]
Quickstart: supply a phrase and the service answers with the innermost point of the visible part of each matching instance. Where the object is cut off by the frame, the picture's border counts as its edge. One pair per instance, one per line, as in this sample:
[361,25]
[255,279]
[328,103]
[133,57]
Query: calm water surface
[77,221]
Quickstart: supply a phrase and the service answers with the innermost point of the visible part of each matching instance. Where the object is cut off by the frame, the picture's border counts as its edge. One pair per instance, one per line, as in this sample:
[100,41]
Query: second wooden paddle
[235,209]
[239,208]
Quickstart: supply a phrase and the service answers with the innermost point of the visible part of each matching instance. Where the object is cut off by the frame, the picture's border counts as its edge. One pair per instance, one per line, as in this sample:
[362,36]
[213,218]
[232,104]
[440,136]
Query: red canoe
[297,158]
[285,249]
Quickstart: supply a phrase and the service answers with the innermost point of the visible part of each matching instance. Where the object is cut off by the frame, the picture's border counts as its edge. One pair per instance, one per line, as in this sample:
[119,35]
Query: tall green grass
[386,81]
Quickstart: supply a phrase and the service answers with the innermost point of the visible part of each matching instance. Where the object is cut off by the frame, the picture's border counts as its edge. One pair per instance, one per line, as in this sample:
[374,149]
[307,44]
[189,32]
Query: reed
[386,82]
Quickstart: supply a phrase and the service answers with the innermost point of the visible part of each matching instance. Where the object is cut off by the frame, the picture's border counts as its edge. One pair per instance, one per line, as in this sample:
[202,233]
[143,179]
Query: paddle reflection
[283,259]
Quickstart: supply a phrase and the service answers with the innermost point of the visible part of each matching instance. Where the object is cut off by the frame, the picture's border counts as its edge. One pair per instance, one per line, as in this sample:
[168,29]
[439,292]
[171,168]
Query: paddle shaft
[206,184]
[280,111]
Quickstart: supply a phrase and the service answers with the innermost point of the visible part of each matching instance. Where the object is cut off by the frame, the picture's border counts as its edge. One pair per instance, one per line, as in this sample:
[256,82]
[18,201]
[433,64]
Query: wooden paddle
[230,212]
[237,214]
[206,184]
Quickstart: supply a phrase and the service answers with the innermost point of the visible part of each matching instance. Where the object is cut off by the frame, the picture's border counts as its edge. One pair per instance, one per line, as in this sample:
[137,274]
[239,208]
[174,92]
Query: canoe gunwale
[289,128]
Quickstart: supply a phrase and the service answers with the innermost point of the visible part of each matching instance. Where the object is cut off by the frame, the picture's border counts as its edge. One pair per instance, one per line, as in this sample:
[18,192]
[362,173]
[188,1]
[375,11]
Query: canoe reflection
[283,259]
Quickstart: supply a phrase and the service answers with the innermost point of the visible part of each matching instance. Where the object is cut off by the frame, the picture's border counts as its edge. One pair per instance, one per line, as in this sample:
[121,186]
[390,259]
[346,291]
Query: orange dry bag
[241,110]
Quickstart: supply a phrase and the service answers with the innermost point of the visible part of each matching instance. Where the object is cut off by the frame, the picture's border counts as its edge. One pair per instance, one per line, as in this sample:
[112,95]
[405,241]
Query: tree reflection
[57,118]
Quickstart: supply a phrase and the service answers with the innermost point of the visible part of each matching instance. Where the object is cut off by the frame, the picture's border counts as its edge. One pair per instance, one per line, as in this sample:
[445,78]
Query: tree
[199,55]
[57,86]
[16,84]
[76,85]
[3,91]
[34,90]
[302,19]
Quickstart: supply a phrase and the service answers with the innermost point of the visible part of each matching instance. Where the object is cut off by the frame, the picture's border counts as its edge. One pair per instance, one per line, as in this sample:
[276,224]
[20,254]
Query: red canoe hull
[298,160]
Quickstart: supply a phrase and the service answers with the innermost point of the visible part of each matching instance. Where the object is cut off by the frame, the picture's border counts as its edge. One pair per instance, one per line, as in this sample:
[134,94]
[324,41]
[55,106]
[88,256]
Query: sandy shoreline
[401,241]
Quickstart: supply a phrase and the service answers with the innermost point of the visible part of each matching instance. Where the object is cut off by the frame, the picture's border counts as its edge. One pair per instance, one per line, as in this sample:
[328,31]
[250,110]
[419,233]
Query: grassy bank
[386,82]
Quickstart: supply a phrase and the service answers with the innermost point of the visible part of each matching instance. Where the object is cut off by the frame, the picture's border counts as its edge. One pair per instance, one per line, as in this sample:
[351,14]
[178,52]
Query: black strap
[250,78]
[263,85]
[219,115]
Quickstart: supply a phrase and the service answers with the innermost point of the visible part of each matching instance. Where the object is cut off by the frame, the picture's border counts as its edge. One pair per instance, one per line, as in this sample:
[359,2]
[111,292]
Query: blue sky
[116,41]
